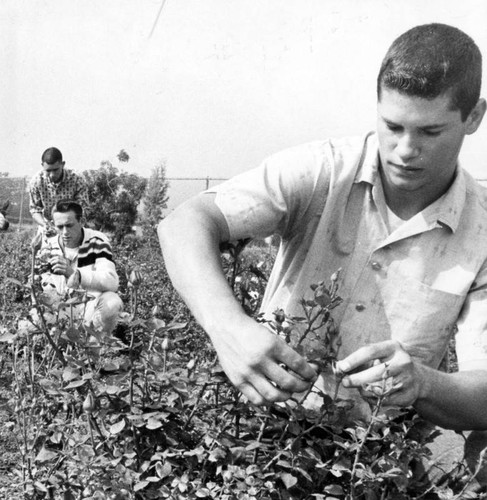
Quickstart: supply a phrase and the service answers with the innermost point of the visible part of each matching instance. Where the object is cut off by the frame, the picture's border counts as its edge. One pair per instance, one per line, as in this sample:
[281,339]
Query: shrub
[149,414]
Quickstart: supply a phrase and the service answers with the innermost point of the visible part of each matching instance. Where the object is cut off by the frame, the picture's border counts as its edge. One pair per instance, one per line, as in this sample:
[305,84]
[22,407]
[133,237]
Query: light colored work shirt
[418,282]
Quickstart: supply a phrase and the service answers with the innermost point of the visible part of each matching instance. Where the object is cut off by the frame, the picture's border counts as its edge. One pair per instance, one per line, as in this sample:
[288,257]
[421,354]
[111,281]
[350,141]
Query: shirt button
[375,265]
[359,306]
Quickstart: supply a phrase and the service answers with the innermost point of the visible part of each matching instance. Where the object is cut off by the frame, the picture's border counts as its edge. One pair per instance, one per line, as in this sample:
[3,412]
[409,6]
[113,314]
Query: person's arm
[256,361]
[102,276]
[451,400]
[36,207]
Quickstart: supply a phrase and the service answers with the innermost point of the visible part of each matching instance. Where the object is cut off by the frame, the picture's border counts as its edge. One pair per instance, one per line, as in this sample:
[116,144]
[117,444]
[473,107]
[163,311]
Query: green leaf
[113,389]
[45,455]
[70,373]
[140,486]
[76,383]
[111,366]
[117,427]
[288,479]
[16,282]
[177,326]
[73,335]
[163,470]
[7,337]
[153,423]
[334,489]
[40,487]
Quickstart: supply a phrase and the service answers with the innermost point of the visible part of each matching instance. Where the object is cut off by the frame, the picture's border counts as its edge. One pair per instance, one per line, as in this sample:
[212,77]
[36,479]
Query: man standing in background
[51,184]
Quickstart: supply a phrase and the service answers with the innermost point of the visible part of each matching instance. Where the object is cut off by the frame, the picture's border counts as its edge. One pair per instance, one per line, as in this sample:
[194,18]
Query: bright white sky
[210,86]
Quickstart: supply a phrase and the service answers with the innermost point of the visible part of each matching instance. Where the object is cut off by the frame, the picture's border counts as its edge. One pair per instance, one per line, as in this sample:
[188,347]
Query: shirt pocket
[422,318]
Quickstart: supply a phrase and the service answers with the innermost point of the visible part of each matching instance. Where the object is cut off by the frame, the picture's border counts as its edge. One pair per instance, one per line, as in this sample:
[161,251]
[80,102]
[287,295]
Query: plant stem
[364,439]
[45,330]
[473,476]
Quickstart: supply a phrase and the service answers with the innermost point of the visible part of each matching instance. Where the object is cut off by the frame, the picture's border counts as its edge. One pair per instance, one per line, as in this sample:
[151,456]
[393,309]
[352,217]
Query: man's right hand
[49,230]
[260,364]
[257,362]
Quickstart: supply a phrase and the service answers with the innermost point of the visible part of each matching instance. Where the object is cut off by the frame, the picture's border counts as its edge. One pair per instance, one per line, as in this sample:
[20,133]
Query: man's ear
[475,117]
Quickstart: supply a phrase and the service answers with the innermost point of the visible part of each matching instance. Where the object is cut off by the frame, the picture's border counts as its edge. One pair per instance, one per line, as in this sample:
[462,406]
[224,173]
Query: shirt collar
[447,210]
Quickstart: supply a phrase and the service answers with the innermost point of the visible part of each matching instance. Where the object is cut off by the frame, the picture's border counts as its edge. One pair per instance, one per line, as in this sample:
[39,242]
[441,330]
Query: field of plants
[148,414]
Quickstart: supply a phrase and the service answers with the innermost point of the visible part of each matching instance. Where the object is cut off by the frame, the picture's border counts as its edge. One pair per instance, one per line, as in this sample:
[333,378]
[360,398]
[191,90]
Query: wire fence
[181,189]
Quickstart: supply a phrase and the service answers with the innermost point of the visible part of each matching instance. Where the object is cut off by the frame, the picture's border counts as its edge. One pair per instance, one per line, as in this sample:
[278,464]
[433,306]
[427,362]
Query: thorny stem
[131,358]
[478,468]
[237,415]
[309,328]
[193,411]
[91,434]
[275,458]
[135,297]
[373,419]
[261,434]
[45,330]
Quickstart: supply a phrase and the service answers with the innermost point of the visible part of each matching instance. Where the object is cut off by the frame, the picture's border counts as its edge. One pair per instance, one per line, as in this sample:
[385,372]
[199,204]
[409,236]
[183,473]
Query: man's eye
[393,128]
[431,133]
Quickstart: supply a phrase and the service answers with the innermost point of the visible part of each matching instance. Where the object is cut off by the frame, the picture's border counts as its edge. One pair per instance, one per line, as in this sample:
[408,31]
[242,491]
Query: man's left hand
[384,368]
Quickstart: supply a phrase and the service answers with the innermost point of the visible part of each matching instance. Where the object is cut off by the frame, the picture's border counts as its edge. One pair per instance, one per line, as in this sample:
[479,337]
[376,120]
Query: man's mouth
[405,168]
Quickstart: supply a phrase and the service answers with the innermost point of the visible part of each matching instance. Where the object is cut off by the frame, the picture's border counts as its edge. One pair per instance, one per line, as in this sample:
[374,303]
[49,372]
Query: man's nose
[408,147]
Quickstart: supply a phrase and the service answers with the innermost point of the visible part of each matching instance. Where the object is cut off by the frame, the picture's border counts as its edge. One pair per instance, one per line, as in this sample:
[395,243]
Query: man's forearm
[38,218]
[190,245]
[454,400]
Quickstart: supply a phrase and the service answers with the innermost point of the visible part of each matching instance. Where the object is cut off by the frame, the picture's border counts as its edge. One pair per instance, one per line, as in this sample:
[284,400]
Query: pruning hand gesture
[260,364]
[383,369]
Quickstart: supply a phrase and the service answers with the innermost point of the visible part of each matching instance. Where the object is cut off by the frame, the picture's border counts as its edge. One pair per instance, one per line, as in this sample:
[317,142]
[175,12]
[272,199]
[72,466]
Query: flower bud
[165,344]
[89,403]
[279,315]
[36,242]
[135,277]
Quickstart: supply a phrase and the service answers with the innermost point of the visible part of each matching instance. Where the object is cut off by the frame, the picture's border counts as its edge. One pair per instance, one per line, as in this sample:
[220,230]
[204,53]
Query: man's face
[419,143]
[54,170]
[69,228]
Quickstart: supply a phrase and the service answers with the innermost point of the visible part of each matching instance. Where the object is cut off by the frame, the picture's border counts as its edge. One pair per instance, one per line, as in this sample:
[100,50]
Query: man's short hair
[430,60]
[63,206]
[51,156]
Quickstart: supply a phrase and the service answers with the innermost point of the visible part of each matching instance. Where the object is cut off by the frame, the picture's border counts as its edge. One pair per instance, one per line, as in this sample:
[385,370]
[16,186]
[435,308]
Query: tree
[123,156]
[155,200]
[114,198]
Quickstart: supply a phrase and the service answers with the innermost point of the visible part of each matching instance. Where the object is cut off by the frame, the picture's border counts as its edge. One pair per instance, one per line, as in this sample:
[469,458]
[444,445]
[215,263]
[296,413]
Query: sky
[209,87]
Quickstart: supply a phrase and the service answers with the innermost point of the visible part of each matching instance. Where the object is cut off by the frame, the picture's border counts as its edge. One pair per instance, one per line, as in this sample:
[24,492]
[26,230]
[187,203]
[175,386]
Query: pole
[21,204]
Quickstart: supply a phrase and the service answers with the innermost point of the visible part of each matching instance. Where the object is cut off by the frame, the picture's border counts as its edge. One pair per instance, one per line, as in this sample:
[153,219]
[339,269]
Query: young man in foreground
[394,211]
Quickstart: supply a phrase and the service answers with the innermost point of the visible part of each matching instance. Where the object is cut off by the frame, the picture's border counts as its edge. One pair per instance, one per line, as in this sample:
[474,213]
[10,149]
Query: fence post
[21,204]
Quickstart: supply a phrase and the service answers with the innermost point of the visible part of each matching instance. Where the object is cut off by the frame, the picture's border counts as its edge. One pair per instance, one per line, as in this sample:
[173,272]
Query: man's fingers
[286,380]
[376,372]
[297,364]
[367,354]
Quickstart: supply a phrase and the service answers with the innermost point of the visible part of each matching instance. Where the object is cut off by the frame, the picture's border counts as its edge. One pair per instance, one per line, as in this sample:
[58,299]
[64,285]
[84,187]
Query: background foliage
[155,200]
